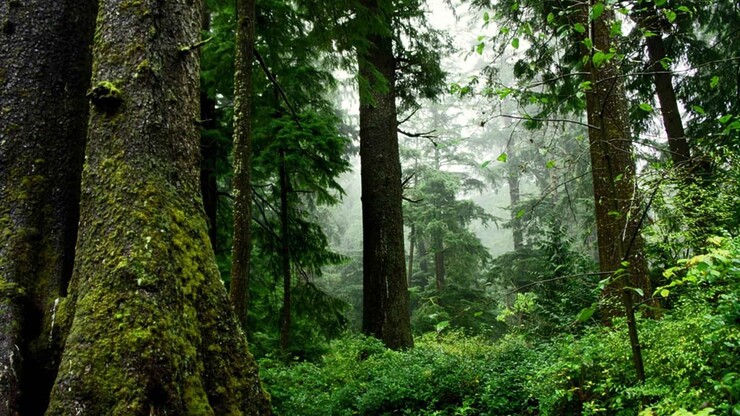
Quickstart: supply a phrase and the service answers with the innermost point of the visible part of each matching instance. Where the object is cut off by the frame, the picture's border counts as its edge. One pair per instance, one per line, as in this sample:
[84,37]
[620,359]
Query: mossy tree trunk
[385,291]
[618,210]
[242,248]
[151,331]
[44,76]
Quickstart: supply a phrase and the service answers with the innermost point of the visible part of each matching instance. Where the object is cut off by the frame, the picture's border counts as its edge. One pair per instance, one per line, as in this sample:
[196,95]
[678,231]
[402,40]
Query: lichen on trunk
[151,328]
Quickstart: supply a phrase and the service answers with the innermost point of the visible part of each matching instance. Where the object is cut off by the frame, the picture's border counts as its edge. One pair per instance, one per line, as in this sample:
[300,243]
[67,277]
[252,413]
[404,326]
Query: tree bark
[677,143]
[151,331]
[385,296]
[618,213]
[412,243]
[242,248]
[44,76]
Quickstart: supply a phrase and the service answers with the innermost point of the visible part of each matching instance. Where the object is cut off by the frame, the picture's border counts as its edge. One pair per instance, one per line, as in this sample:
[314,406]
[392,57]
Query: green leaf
[724,119]
[660,3]
[616,29]
[598,58]
[698,110]
[515,43]
[665,292]
[486,17]
[588,43]
[550,18]
[670,15]
[596,11]
[520,213]
[480,48]
[714,82]
[515,7]
[585,314]
[578,27]
[646,107]
[442,325]
[484,164]
[503,157]
[550,164]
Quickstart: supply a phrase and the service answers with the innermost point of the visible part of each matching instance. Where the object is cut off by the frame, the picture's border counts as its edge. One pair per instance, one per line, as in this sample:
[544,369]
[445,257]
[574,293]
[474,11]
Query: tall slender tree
[150,328]
[242,248]
[44,76]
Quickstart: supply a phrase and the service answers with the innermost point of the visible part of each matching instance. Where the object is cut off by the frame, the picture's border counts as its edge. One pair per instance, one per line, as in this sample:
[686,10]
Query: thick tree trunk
[242,249]
[618,213]
[44,76]
[385,297]
[151,331]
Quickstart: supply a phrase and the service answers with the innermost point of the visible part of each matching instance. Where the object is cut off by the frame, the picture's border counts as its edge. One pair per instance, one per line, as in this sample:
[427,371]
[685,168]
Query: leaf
[578,27]
[670,15]
[520,213]
[486,17]
[588,43]
[442,325]
[515,43]
[646,107]
[585,314]
[724,119]
[550,164]
[515,7]
[616,29]
[503,157]
[665,292]
[714,82]
[484,164]
[660,3]
[596,11]
[598,58]
[698,110]
[480,48]
[550,18]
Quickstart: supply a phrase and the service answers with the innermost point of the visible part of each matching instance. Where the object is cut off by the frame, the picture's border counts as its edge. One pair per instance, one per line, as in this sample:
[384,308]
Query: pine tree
[150,328]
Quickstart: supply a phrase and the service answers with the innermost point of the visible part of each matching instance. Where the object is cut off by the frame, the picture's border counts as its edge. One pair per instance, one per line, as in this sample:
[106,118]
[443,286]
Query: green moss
[106,96]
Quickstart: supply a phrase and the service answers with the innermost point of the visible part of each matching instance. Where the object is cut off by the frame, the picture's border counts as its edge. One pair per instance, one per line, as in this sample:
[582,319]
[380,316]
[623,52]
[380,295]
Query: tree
[44,76]
[385,296]
[242,248]
[150,327]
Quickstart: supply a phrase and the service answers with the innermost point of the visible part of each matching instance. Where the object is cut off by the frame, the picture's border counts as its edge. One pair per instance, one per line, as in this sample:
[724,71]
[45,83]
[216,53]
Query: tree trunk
[514,197]
[242,249]
[284,254]
[44,76]
[209,159]
[677,142]
[618,213]
[439,263]
[385,296]
[423,258]
[412,243]
[151,330]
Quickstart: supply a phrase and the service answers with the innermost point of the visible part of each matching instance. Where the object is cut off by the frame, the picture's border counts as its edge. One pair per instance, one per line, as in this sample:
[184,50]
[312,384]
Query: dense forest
[369,207]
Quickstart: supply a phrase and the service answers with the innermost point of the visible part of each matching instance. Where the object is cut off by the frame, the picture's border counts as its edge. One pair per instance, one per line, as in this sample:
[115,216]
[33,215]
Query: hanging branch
[277,86]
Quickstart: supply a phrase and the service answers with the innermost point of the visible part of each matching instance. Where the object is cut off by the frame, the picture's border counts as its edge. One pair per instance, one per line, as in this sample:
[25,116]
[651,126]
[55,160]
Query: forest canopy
[312,207]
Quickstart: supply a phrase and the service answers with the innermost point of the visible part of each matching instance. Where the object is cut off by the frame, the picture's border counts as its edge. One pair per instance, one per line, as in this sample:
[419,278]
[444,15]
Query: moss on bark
[152,331]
